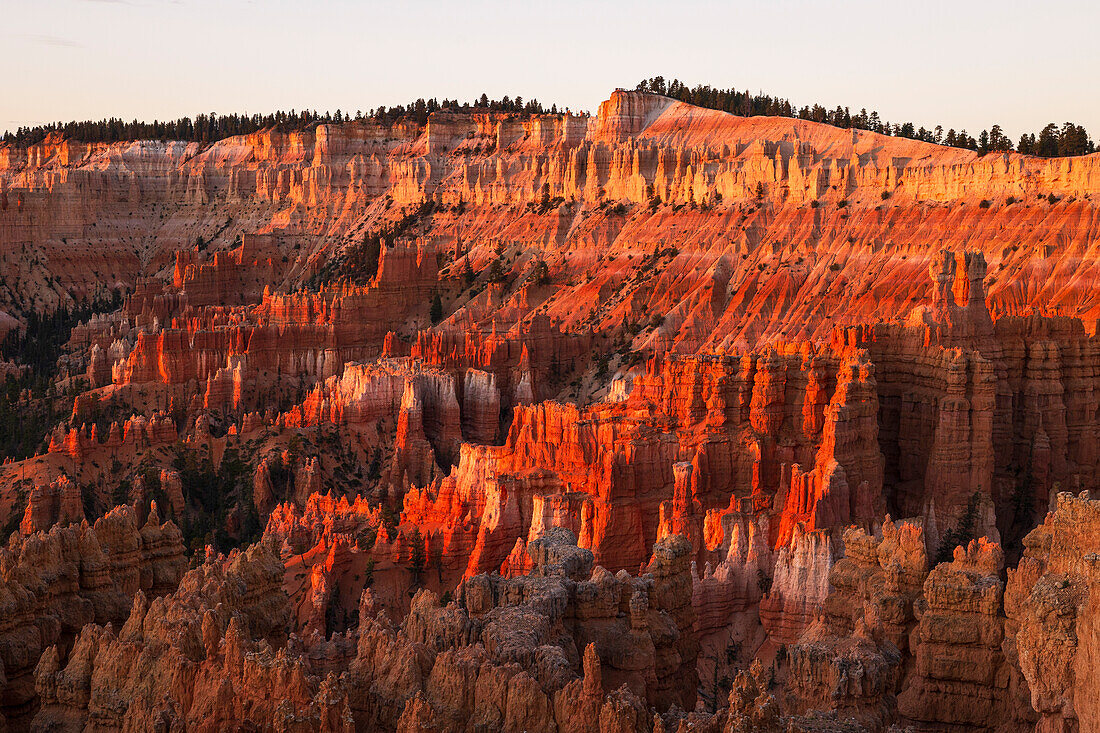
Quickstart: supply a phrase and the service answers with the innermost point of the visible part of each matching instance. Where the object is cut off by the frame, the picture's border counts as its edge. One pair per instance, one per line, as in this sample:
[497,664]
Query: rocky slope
[732,195]
[609,436]
[53,583]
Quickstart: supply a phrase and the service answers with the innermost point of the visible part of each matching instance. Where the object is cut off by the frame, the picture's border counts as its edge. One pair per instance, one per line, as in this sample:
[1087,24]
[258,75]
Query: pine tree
[1047,146]
[416,558]
[998,141]
[467,273]
[435,312]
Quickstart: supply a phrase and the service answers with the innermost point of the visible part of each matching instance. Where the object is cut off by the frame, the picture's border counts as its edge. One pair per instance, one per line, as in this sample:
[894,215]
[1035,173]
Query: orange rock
[212,674]
[58,503]
[961,676]
[699,354]
[54,583]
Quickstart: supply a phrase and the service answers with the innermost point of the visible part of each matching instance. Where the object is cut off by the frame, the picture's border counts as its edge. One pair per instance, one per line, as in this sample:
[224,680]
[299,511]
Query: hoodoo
[492,417]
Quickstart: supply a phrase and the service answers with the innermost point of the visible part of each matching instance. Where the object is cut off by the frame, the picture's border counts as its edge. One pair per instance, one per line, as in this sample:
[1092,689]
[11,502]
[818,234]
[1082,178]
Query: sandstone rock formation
[1051,607]
[58,503]
[607,434]
[54,583]
[198,658]
[850,659]
[961,676]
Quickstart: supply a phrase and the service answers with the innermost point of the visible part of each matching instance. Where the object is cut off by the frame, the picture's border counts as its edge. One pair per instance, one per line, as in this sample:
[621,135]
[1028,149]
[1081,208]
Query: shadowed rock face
[608,438]
[54,583]
[960,675]
[508,653]
[199,657]
[1050,601]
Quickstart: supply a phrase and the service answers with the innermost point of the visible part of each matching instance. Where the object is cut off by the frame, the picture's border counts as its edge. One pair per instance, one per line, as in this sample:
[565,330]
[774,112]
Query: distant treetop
[1052,142]
[207,128]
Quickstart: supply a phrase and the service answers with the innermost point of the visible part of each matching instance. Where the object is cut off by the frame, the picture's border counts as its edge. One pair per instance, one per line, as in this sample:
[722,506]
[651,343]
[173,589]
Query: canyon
[661,419]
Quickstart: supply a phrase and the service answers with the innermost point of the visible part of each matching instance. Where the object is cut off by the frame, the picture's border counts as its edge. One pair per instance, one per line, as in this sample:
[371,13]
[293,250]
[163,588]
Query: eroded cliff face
[507,655]
[850,660]
[960,676]
[53,583]
[751,464]
[1051,605]
[611,433]
[732,196]
[199,658]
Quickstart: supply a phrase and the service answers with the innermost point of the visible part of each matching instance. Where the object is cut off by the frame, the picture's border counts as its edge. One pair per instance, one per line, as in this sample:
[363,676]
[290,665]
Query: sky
[961,64]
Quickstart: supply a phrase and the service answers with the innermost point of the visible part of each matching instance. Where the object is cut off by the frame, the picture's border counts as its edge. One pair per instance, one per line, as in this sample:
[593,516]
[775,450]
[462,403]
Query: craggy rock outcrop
[738,581]
[54,583]
[723,186]
[1006,409]
[57,503]
[763,530]
[854,677]
[331,549]
[1052,600]
[705,346]
[878,580]
[849,661]
[200,658]
[799,586]
[961,676]
[135,434]
[610,473]
[536,652]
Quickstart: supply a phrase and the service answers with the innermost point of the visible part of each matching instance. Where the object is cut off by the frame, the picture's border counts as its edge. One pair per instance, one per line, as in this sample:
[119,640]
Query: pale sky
[961,64]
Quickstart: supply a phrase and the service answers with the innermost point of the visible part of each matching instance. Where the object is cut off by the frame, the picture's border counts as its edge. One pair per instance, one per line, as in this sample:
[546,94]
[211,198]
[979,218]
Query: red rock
[197,647]
[54,583]
[702,356]
[961,676]
[58,503]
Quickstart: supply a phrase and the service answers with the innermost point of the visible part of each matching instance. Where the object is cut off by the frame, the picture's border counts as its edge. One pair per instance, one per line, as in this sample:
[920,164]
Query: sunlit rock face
[662,419]
[735,194]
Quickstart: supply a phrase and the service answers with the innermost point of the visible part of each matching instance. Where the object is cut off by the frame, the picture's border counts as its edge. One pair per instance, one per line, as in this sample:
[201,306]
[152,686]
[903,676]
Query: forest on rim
[1052,141]
[1067,139]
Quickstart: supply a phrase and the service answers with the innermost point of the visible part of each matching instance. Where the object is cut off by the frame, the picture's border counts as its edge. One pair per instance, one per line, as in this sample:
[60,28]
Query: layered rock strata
[1051,603]
[54,583]
[961,676]
[200,658]
[707,346]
